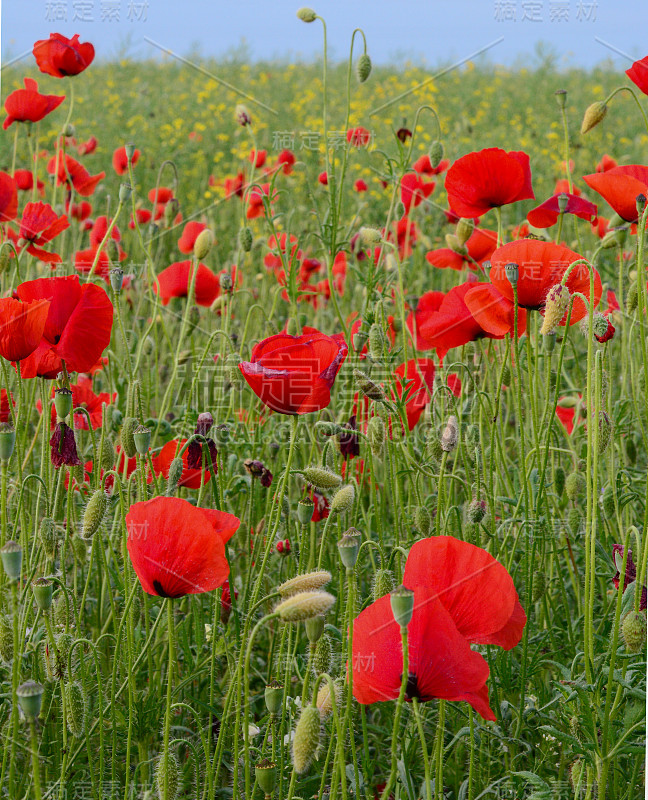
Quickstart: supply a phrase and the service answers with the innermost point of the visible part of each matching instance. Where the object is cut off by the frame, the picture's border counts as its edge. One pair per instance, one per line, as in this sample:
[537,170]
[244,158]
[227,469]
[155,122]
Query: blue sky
[426,31]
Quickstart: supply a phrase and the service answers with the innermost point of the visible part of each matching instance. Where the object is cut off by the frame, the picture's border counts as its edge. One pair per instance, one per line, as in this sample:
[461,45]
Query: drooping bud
[306,739]
[607,502]
[376,434]
[7,440]
[464,230]
[593,115]
[306,14]
[322,478]
[422,520]
[382,584]
[402,605]
[325,700]
[343,499]
[175,473]
[94,514]
[476,511]
[450,435]
[76,708]
[633,631]
[167,774]
[302,606]
[605,430]
[309,582]
[363,68]
[456,245]
[555,306]
[370,389]
[559,480]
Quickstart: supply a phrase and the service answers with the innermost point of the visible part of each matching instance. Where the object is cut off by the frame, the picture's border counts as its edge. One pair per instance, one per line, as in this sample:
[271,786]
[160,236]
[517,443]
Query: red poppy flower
[120,160]
[71,172]
[234,186]
[189,235]
[177,549]
[8,197]
[294,374]
[258,157]
[85,148]
[638,74]
[175,279]
[406,236]
[358,137]
[25,181]
[428,304]
[413,190]
[620,187]
[570,413]
[285,160]
[606,163]
[481,244]
[416,384]
[541,265]
[5,413]
[143,216]
[190,478]
[160,195]
[255,200]
[78,328]
[423,166]
[360,186]
[61,57]
[630,575]
[546,214]
[84,397]
[323,178]
[562,186]
[21,327]
[487,179]
[39,225]
[84,259]
[27,105]
[99,230]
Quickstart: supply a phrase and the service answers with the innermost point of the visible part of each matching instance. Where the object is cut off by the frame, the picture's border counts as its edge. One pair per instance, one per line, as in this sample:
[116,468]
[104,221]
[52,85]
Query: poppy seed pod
[266,775]
[203,244]
[512,272]
[555,307]
[7,441]
[116,276]
[321,478]
[94,514]
[349,547]
[273,696]
[302,606]
[402,605]
[63,402]
[142,439]
[306,739]
[308,582]
[43,589]
[633,631]
[30,696]
[306,14]
[129,149]
[305,511]
[363,68]
[343,499]
[561,97]
[125,191]
[594,114]
[11,554]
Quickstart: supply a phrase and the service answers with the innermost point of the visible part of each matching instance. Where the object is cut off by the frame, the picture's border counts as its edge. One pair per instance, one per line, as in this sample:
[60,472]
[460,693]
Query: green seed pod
[127,439]
[363,68]
[6,639]
[266,775]
[306,740]
[175,473]
[94,514]
[273,697]
[11,555]
[323,657]
[76,708]
[376,434]
[575,485]
[5,257]
[607,502]
[30,696]
[7,440]
[321,478]
[422,520]
[559,480]
[306,14]
[402,605]
[343,499]
[245,239]
[169,777]
[383,583]
[328,460]
[43,589]
[633,631]
[377,342]
[305,510]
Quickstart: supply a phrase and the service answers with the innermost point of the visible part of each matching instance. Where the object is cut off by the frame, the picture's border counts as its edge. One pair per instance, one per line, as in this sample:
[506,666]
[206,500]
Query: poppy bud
[376,434]
[30,696]
[11,555]
[593,115]
[632,298]
[306,14]
[127,438]
[476,511]
[615,237]
[607,502]
[266,776]
[242,115]
[76,707]
[512,272]
[506,375]
[382,584]
[245,239]
[402,605]
[7,441]
[349,547]
[305,510]
[170,211]
[559,480]
[225,282]
[605,432]
[422,520]
[314,629]
[325,701]
[370,236]
[561,97]
[633,631]
[456,245]
[575,485]
[306,739]
[555,307]
[302,606]
[175,473]
[60,607]
[436,153]
[363,68]
[574,521]
[464,230]
[323,658]
[450,435]
[343,499]
[142,439]
[43,590]
[321,478]
[62,402]
[94,514]
[273,696]
[6,639]
[203,244]
[368,387]
[328,428]
[377,342]
[308,582]
[631,450]
[167,775]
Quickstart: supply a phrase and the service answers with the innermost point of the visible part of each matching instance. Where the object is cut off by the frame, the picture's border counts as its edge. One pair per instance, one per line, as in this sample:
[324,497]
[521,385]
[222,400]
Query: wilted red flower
[488,179]
[120,160]
[638,74]
[190,478]
[174,281]
[358,137]
[85,148]
[21,327]
[177,549]
[630,573]
[27,105]
[63,447]
[71,172]
[413,190]
[78,328]
[546,214]
[40,224]
[294,374]
[8,197]
[620,187]
[481,244]
[189,235]
[541,265]
[285,160]
[195,449]
[462,595]
[61,57]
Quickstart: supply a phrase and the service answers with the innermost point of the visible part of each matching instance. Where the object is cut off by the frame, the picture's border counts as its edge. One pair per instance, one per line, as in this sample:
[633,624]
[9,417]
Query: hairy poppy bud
[633,631]
[167,776]
[306,14]
[30,696]
[575,485]
[175,473]
[593,115]
[422,520]
[127,439]
[436,153]
[402,605]
[559,480]
[323,658]
[328,428]
[343,499]
[266,775]
[555,306]
[607,502]
[6,639]
[377,342]
[476,511]
[302,606]
[383,583]
[322,478]
[306,739]
[464,230]
[632,298]
[5,257]
[308,582]
[363,68]
[273,696]
[605,430]
[94,514]
[76,708]
[203,244]
[11,555]
[368,387]
[631,449]
[107,453]
[370,236]
[43,589]
[376,434]
[245,239]
[7,441]
[325,700]
[450,435]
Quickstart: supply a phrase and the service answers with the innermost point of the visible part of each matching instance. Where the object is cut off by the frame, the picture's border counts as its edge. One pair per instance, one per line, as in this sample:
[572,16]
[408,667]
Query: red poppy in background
[418,375]
[481,244]
[255,200]
[175,279]
[620,187]
[161,195]
[285,160]
[258,157]
[25,181]
[423,166]
[360,186]
[143,216]
[40,224]
[78,327]
[541,265]
[413,190]
[27,105]
[323,178]
[562,186]
[85,148]
[190,478]
[546,214]
[120,160]
[488,179]
[571,413]
[294,374]
[177,549]
[98,232]
[358,137]
[493,312]
[8,197]
[71,172]
[21,327]
[428,304]
[5,413]
[638,74]
[62,57]
[606,163]
[84,259]
[234,186]
[189,235]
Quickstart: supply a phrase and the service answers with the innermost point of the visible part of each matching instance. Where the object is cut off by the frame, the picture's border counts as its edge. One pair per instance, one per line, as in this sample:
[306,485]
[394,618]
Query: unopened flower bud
[575,485]
[127,438]
[436,154]
[322,478]
[225,282]
[633,631]
[314,629]
[203,244]
[245,239]
[464,230]
[383,583]
[593,115]
[450,435]
[323,658]
[167,776]
[456,245]
[476,511]
[343,499]
[302,606]
[94,514]
[242,115]
[308,582]
[559,480]
[7,440]
[370,236]
[422,520]
[306,739]
[76,707]
[306,14]
[363,68]
[376,434]
[325,701]
[175,473]
[377,342]
[370,389]
[555,306]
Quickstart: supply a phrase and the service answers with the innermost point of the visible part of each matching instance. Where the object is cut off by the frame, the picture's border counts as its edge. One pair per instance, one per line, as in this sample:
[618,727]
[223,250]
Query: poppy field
[323,429]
